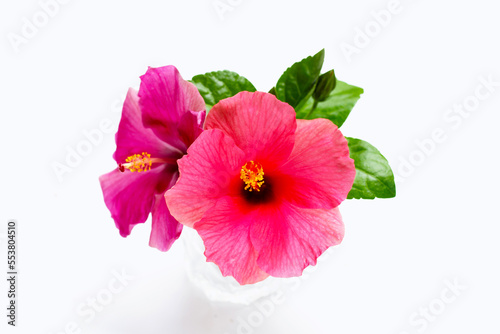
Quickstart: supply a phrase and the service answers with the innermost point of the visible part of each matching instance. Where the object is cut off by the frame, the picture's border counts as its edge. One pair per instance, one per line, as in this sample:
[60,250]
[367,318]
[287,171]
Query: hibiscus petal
[210,170]
[261,125]
[129,196]
[133,138]
[165,228]
[289,238]
[190,126]
[225,231]
[164,98]
[319,173]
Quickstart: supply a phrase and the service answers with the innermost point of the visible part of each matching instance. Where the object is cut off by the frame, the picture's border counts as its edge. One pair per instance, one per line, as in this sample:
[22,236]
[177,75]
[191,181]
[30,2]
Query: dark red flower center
[254,189]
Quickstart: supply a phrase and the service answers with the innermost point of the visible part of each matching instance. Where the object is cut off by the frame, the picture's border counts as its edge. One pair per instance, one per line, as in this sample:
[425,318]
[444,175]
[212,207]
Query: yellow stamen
[253,175]
[137,163]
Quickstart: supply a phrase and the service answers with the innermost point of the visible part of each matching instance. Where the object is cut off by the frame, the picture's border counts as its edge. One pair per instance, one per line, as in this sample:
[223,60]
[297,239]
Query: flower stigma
[253,175]
[137,163]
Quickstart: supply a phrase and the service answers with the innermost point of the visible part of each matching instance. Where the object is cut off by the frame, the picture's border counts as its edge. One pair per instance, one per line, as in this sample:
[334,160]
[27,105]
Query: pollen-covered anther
[252,174]
[137,163]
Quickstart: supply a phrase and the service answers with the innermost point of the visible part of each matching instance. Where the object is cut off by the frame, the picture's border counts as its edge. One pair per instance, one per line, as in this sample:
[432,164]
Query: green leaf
[299,80]
[374,177]
[219,85]
[336,107]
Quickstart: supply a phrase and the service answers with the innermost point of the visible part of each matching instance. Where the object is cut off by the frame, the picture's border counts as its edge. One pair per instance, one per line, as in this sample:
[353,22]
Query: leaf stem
[315,104]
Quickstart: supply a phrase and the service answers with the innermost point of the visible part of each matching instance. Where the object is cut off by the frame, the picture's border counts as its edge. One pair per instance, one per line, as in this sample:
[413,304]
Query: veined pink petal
[133,138]
[289,238]
[164,98]
[129,196]
[165,228]
[261,125]
[209,171]
[225,230]
[319,173]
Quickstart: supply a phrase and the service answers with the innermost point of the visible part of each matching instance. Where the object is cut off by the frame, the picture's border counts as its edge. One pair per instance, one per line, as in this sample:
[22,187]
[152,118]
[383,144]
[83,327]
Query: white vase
[207,276]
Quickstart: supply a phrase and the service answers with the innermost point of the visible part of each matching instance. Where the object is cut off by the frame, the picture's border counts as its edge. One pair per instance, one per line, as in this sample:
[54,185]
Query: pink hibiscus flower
[157,126]
[262,188]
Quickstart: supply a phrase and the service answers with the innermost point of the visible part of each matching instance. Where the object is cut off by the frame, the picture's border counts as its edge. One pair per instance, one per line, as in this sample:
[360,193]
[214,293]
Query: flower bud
[326,84]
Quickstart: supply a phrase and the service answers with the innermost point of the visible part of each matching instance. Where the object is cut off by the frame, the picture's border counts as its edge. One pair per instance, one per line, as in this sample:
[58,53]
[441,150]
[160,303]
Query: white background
[397,253]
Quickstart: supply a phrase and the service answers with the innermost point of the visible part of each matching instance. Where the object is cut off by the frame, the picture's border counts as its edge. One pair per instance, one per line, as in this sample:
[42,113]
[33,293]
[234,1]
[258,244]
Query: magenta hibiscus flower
[262,188]
[157,126]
